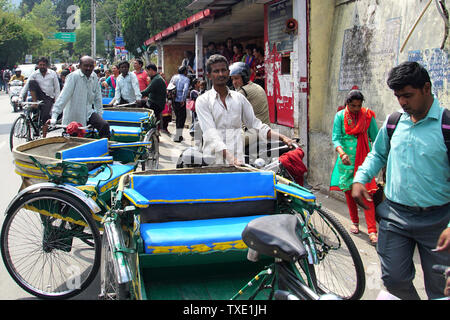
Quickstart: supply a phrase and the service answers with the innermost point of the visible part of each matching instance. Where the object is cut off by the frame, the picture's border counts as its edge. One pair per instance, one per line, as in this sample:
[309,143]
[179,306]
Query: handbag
[190,105]
[378,197]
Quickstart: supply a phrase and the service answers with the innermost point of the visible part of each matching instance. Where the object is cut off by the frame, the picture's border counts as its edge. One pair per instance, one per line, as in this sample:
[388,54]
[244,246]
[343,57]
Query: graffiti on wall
[368,53]
[436,62]
[280,90]
[277,43]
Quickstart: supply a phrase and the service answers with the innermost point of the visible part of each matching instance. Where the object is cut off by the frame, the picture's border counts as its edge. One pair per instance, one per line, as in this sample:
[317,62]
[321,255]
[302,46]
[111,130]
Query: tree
[17,38]
[142,18]
[44,18]
[83,44]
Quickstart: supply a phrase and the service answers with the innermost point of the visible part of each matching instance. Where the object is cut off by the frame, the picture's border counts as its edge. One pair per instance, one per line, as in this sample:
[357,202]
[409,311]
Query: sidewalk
[170,151]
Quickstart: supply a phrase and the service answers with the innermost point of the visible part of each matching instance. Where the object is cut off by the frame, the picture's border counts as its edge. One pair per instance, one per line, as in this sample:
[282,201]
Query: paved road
[170,151]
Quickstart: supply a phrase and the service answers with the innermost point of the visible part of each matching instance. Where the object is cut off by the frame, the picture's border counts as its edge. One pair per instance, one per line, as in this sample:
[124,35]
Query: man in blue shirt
[417,205]
[181,81]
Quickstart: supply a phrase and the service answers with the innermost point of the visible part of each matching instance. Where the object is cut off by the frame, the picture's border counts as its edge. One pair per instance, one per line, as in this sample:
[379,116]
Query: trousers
[369,214]
[100,124]
[48,102]
[180,114]
[401,230]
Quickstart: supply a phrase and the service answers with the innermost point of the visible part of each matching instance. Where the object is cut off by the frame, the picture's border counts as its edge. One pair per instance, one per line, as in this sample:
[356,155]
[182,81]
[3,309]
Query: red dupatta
[357,124]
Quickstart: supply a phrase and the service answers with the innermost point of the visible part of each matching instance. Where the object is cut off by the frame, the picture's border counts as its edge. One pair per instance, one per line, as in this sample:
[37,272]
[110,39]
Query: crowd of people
[252,55]
[416,211]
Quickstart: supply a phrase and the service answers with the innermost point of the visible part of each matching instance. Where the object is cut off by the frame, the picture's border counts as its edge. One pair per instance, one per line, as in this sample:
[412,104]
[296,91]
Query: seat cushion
[125,116]
[125,131]
[106,181]
[97,148]
[195,235]
[203,188]
[295,192]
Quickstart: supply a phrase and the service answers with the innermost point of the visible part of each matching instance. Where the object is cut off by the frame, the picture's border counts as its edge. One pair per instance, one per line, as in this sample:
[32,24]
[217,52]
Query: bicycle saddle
[275,236]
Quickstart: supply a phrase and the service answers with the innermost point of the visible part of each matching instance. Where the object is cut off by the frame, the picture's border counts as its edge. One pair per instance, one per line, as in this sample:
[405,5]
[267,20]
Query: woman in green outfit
[354,130]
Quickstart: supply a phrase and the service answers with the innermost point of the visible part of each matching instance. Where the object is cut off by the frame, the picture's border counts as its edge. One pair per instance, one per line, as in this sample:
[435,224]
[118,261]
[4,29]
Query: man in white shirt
[127,86]
[221,113]
[43,85]
[81,99]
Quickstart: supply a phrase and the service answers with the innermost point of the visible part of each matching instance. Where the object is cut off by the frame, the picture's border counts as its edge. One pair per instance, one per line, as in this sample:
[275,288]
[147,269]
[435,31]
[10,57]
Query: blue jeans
[400,231]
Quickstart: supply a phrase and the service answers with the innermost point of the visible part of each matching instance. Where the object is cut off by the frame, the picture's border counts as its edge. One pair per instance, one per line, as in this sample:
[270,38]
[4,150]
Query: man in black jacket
[156,91]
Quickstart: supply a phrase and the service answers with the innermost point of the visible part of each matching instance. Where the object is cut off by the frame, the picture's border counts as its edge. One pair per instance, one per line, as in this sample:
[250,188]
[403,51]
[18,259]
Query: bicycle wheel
[20,132]
[50,245]
[151,154]
[110,289]
[340,270]
[302,285]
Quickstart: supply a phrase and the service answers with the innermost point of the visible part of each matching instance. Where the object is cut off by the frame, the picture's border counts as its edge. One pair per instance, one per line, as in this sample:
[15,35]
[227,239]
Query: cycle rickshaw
[196,233]
[50,238]
[138,128]
[135,126]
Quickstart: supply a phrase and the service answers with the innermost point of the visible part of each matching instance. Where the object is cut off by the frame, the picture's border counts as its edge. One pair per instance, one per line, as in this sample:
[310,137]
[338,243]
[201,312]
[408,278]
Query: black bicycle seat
[275,236]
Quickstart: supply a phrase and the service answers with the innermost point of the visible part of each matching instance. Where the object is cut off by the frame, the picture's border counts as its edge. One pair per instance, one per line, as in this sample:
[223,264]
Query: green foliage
[17,38]
[27,29]
[43,17]
[83,44]
[143,18]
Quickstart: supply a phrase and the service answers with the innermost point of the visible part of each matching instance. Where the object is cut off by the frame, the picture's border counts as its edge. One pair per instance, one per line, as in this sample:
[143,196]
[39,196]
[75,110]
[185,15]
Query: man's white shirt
[127,88]
[81,96]
[222,126]
[48,83]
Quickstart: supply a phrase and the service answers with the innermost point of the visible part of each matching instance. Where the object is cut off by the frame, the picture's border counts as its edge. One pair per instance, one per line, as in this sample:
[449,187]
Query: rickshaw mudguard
[92,205]
[115,240]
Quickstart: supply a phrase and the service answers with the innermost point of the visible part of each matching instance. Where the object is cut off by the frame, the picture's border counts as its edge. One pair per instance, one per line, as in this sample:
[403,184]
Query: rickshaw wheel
[151,155]
[50,245]
[20,132]
[110,289]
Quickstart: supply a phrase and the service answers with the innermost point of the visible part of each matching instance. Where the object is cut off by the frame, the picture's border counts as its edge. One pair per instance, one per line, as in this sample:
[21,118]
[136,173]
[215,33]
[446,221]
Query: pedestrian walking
[181,82]
[417,205]
[354,131]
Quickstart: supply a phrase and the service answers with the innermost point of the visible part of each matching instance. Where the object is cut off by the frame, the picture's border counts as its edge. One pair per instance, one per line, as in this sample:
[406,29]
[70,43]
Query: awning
[222,19]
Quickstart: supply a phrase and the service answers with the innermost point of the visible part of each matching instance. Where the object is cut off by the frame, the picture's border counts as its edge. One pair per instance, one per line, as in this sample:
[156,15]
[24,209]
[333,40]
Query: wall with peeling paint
[366,38]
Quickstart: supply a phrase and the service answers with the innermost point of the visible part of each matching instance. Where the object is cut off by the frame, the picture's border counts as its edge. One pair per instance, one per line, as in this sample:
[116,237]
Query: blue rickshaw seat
[105,177]
[194,235]
[96,152]
[126,117]
[201,188]
[208,211]
[126,131]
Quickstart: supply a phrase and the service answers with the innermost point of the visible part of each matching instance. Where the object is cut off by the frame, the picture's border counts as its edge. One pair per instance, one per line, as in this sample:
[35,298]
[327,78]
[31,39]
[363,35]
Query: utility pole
[93,31]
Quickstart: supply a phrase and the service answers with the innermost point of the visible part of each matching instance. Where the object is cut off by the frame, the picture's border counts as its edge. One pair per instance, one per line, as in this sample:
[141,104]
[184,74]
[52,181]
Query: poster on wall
[368,53]
[436,61]
[278,13]
[279,86]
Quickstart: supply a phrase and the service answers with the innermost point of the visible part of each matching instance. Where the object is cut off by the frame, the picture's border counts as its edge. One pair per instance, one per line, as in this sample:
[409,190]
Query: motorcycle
[15,87]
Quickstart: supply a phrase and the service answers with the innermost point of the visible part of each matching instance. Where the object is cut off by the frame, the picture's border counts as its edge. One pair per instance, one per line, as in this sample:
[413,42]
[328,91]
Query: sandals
[354,228]
[373,237]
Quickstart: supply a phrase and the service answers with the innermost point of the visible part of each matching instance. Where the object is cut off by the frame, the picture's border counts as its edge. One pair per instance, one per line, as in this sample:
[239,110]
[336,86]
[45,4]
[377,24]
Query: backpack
[395,117]
[172,89]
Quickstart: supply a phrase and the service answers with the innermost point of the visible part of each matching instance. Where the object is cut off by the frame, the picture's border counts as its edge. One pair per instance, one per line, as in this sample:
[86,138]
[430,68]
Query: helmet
[17,70]
[240,69]
[73,129]
[182,69]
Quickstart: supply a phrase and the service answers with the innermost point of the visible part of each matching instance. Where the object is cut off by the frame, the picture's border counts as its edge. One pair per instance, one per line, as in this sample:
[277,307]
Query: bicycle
[311,261]
[334,257]
[28,126]
[338,267]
